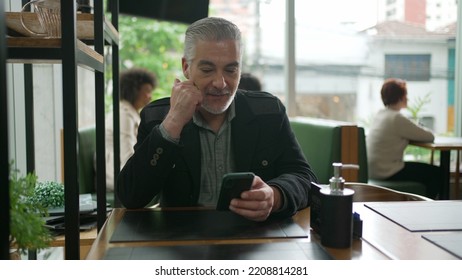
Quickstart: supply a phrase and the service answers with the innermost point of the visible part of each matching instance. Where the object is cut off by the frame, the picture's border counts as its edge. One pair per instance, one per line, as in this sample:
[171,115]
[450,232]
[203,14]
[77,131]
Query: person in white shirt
[136,86]
[389,136]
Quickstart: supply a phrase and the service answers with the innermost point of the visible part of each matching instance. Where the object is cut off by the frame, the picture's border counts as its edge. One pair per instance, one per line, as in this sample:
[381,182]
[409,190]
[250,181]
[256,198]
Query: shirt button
[153,162]
[159,150]
[156,156]
[264,163]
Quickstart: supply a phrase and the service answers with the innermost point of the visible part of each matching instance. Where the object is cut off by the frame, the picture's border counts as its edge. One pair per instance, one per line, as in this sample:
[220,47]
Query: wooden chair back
[369,193]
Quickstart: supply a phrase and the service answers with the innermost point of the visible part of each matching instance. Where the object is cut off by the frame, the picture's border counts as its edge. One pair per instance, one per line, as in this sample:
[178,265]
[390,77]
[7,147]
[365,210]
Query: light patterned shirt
[217,156]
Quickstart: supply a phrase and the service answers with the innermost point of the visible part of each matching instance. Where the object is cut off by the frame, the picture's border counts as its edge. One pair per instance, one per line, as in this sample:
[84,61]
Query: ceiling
[182,11]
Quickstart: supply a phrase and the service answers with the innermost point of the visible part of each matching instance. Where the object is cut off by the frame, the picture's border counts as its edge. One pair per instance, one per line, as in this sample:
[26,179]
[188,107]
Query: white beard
[218,110]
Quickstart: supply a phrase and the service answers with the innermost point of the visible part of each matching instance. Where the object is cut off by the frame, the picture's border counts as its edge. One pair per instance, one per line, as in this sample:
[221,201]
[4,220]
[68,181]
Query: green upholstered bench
[326,141]
[320,144]
[86,158]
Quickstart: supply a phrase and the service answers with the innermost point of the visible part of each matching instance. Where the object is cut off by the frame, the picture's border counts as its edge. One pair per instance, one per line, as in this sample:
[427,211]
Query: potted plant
[417,105]
[414,108]
[27,227]
[48,194]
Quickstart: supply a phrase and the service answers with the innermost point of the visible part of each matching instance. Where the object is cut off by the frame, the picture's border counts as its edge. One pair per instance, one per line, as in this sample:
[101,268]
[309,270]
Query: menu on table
[199,224]
[421,215]
[263,251]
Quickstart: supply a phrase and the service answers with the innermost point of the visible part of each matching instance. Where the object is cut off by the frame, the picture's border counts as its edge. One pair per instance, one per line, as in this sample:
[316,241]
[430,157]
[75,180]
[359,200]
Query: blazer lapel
[192,153]
[244,136]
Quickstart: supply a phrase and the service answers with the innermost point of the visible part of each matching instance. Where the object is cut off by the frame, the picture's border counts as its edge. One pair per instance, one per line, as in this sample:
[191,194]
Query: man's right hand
[185,99]
[257,203]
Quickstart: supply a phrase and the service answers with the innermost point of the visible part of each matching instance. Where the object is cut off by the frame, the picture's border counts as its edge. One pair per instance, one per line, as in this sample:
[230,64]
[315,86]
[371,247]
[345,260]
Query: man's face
[215,70]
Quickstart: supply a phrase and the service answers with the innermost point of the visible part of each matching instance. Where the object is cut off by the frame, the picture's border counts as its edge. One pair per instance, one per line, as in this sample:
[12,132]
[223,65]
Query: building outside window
[409,67]
[343,54]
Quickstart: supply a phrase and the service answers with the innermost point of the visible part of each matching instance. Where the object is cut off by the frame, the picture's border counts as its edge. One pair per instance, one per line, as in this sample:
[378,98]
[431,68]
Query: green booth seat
[324,142]
[86,158]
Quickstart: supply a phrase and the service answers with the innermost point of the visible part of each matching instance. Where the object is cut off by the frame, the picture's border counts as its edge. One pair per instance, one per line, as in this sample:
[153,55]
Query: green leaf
[417,104]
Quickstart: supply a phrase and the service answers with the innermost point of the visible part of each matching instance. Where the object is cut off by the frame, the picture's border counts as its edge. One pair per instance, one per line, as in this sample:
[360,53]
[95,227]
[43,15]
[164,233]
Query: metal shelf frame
[4,160]
[71,53]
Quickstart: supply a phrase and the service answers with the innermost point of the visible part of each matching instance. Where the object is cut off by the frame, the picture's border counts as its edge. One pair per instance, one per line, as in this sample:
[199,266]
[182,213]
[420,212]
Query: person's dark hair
[249,82]
[393,90]
[131,81]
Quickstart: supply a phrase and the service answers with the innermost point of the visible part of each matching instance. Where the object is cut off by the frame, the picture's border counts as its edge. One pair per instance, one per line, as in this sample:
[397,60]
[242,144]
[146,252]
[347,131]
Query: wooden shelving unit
[24,49]
[71,52]
[4,167]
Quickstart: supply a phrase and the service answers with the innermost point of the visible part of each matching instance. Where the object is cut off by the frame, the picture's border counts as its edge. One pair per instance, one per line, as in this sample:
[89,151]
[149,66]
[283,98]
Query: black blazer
[262,140]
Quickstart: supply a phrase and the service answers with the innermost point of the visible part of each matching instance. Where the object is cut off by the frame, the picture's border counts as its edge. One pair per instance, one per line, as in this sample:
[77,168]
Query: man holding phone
[209,128]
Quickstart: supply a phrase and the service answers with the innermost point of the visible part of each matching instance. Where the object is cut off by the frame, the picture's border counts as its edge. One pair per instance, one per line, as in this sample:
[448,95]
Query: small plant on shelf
[49,194]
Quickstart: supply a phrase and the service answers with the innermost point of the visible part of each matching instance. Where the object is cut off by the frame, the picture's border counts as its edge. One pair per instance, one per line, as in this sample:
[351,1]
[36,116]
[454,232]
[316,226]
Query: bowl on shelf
[15,28]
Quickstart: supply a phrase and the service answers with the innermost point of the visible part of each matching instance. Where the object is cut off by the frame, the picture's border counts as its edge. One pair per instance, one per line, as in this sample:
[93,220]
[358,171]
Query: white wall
[48,117]
[369,100]
[47,120]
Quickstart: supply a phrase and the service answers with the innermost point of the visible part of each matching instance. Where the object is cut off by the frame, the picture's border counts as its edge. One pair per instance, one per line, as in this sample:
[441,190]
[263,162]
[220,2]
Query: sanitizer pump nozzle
[337,182]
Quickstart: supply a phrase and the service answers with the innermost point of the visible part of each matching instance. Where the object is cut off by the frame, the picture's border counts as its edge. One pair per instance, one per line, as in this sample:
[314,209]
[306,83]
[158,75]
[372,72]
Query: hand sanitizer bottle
[336,211]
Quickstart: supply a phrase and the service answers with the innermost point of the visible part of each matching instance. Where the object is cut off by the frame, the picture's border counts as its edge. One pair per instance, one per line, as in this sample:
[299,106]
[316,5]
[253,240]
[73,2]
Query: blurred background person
[249,82]
[389,136]
[136,87]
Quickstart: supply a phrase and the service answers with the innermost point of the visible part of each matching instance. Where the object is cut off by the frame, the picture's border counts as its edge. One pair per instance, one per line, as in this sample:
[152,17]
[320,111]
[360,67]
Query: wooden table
[86,240]
[382,239]
[445,145]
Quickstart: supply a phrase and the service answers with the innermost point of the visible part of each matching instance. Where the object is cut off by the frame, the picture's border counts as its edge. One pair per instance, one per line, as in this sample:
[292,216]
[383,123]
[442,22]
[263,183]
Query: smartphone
[232,185]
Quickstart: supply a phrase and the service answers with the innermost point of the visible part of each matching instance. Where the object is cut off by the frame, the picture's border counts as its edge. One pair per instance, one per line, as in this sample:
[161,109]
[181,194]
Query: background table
[86,240]
[445,145]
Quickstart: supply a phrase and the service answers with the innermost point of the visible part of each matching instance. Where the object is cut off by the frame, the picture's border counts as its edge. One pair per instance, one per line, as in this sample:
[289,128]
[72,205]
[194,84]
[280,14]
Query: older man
[208,128]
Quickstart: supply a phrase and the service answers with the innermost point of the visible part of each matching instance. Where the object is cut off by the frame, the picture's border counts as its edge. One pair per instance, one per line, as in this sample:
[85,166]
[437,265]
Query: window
[410,67]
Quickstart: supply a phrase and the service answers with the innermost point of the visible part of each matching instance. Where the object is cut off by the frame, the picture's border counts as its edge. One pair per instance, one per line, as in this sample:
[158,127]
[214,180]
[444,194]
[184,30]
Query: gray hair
[210,29]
